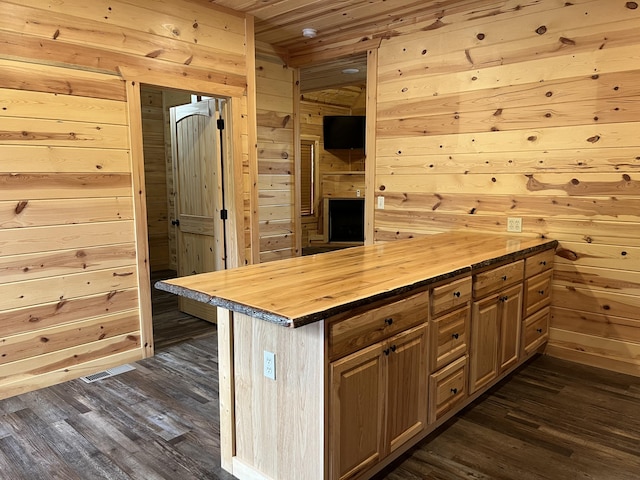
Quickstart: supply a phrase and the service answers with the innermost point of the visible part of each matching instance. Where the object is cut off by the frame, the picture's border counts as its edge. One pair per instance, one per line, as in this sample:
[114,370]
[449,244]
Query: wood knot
[575,181]
[480,36]
[497,113]
[541,30]
[548,94]
[595,77]
[44,339]
[382,188]
[593,139]
[532,138]
[626,178]
[21,206]
[56,34]
[567,254]
[567,41]
[631,5]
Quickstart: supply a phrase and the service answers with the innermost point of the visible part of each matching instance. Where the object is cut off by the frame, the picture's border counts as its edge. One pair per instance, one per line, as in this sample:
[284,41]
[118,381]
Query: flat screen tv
[343,132]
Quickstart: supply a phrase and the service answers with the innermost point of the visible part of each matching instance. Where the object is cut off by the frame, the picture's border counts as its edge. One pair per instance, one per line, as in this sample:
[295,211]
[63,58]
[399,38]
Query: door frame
[233,152]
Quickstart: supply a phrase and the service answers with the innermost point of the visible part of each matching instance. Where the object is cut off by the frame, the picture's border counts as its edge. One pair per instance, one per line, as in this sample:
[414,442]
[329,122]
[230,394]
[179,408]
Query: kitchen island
[373,347]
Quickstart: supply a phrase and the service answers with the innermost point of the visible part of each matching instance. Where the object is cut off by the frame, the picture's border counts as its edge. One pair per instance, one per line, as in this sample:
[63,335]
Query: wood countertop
[301,290]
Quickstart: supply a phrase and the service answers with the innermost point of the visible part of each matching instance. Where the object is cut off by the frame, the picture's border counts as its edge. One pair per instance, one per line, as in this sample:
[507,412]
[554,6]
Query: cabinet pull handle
[393,348]
[539,330]
[455,335]
[541,292]
[454,390]
[543,263]
[504,277]
[456,294]
[386,351]
[504,299]
[175,223]
[388,321]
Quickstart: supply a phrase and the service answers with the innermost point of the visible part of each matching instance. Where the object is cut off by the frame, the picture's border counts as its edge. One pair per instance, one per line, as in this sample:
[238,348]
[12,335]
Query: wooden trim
[297,168]
[212,84]
[232,176]
[370,151]
[226,389]
[252,131]
[134,110]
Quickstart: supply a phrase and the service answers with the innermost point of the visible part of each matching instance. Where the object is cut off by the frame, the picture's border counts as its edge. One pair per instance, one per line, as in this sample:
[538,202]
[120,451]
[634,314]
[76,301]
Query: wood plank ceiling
[346,29]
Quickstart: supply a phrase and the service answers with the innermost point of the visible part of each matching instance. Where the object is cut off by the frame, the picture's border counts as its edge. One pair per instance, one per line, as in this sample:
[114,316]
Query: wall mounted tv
[343,132]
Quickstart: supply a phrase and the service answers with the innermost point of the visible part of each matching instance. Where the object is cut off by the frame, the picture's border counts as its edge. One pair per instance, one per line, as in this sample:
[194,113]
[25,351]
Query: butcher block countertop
[301,290]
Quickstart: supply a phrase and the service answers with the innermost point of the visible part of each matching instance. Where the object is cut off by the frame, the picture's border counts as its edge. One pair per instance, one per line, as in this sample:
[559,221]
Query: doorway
[185,202]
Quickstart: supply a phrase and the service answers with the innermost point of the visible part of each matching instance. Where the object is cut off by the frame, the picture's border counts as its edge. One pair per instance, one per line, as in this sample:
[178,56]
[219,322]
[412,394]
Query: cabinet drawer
[449,338]
[536,330]
[495,279]
[537,293]
[447,388]
[538,263]
[451,295]
[358,331]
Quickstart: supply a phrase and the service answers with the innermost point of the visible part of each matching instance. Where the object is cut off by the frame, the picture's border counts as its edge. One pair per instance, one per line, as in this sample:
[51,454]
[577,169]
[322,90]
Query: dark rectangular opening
[346,220]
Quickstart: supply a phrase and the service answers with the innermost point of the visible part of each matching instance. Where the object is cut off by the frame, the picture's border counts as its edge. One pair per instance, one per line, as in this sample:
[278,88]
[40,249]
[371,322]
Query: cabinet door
[407,385]
[485,331]
[356,412]
[510,308]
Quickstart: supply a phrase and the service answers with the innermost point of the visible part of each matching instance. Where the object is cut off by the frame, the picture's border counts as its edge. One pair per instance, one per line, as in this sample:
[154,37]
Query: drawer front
[447,388]
[355,332]
[451,295]
[536,330]
[538,263]
[449,338]
[494,280]
[537,292]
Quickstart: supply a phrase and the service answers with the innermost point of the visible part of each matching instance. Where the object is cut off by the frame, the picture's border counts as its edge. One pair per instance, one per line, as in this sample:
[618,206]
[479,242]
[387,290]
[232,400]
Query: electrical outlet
[381,203]
[514,224]
[269,365]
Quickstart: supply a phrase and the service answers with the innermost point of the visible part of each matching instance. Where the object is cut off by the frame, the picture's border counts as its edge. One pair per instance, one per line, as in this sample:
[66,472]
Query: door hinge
[220,123]
[223,214]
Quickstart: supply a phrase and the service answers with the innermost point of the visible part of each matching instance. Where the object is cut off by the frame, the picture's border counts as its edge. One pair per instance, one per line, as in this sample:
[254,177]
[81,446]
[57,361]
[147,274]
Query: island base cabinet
[485,331]
[378,402]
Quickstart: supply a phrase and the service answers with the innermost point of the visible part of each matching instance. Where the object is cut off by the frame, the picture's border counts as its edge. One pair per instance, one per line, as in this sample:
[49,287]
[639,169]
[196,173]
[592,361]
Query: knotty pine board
[557,161]
[622,208]
[38,213]
[55,263]
[602,86]
[18,294]
[602,325]
[49,159]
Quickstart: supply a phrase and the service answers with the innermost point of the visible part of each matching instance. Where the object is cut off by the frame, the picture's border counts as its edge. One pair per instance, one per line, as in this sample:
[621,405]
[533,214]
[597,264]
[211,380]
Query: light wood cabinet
[495,323]
[378,401]
[536,331]
[510,308]
[449,338]
[357,400]
[447,388]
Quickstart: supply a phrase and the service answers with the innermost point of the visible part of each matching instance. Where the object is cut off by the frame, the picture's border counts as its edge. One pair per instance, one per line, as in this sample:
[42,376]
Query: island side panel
[288,411]
[226,388]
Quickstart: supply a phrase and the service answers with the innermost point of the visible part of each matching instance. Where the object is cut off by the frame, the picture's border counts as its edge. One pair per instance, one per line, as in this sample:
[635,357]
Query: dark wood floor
[170,326]
[551,420]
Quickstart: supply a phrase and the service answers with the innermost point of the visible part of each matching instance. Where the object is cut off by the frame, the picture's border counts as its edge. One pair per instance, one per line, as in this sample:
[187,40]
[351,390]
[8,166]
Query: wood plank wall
[70,300]
[274,82]
[526,110]
[155,176]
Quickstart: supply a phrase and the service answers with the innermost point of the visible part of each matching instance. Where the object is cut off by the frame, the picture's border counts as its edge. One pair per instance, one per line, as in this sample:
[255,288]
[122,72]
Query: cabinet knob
[504,299]
[504,277]
[543,263]
[393,348]
[454,390]
[175,223]
[388,321]
[539,330]
[455,335]
[541,292]
[456,294]
[386,351]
